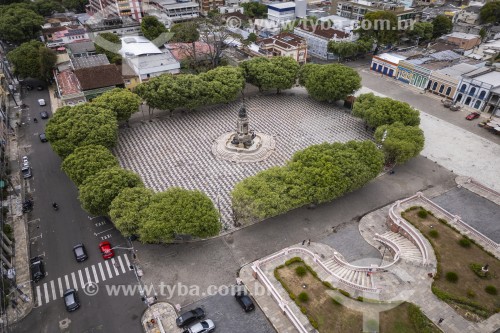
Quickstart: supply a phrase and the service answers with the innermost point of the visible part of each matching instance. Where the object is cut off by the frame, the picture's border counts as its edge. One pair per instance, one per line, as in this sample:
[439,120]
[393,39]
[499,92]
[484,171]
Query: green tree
[86,161]
[304,72]
[122,102]
[152,28]
[331,82]
[47,7]
[276,73]
[99,190]
[126,209]
[423,31]
[483,33]
[33,59]
[254,9]
[186,32]
[19,24]
[252,38]
[176,212]
[490,12]
[226,82]
[81,125]
[381,26]
[75,5]
[401,143]
[109,44]
[343,49]
[378,111]
[442,25]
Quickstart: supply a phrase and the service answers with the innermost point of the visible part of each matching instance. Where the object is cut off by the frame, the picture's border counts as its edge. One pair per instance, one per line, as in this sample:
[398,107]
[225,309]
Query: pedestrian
[308,242]
[303,242]
[440,321]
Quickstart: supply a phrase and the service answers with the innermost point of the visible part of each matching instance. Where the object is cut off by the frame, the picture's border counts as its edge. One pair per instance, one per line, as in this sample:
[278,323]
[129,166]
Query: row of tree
[33,59]
[396,125]
[317,174]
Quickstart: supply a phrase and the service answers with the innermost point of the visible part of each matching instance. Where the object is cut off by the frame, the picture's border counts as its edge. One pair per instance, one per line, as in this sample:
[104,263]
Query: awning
[61,48]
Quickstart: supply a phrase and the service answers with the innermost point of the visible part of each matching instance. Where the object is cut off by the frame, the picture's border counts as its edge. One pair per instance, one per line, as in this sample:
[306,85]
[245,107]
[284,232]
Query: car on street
[473,115]
[80,252]
[106,250]
[37,269]
[39,88]
[204,326]
[41,102]
[44,115]
[245,301]
[43,138]
[26,171]
[71,300]
[25,159]
[190,317]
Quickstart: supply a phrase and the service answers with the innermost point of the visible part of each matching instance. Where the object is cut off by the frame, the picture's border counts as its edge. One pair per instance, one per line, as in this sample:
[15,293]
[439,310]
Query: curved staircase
[409,251]
[358,277]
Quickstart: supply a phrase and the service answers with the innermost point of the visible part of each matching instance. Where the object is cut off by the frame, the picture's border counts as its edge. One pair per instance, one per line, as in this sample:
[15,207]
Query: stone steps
[347,273]
[409,251]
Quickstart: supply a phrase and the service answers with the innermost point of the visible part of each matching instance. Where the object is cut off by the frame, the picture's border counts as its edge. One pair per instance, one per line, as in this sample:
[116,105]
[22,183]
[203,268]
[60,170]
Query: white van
[41,101]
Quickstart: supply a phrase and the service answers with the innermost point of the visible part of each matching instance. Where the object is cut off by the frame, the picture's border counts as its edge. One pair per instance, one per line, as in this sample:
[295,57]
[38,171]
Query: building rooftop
[492,78]
[284,40]
[90,61]
[99,77]
[68,83]
[154,63]
[391,57]
[173,4]
[462,35]
[323,31]
[184,50]
[81,47]
[457,70]
[282,5]
[473,9]
[134,46]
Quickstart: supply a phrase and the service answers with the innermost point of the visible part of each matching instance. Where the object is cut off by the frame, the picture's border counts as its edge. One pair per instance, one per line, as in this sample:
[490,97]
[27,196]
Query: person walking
[440,321]
[303,242]
[308,242]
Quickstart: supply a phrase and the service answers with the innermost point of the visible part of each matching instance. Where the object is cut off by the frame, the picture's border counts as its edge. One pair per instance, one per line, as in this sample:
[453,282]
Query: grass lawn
[332,317]
[468,293]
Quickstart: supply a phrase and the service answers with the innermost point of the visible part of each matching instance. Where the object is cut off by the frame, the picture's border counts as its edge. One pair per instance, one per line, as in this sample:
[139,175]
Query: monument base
[262,147]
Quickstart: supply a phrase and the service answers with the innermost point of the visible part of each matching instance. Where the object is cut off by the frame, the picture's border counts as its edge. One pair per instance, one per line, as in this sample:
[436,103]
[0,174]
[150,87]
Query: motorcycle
[35,120]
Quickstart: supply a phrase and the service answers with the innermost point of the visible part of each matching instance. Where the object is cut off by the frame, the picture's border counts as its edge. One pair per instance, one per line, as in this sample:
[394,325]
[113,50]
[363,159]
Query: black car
[71,300]
[37,269]
[80,252]
[43,138]
[44,115]
[189,317]
[245,301]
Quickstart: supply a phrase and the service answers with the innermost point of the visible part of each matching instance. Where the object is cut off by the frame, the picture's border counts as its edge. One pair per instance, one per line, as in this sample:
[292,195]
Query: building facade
[463,40]
[476,88]
[285,45]
[386,63]
[177,11]
[120,8]
[318,38]
[281,12]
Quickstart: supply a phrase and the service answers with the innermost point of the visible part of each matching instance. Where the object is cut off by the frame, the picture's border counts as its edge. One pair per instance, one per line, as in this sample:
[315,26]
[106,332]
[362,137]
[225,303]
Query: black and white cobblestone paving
[177,151]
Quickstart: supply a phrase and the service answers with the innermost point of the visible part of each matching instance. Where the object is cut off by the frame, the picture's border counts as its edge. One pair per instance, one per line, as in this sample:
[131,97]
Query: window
[462,89]
[441,88]
[448,91]
[459,97]
[482,94]
[472,91]
[434,86]
[477,104]
[467,101]
[429,85]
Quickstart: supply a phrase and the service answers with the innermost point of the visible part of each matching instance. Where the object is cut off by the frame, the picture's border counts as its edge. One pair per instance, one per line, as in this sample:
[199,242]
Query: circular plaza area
[177,151]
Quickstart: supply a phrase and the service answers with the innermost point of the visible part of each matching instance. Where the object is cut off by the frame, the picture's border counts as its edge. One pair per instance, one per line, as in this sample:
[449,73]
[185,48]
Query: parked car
[245,301]
[455,107]
[80,252]
[41,102]
[43,138]
[25,159]
[71,300]
[190,317]
[37,269]
[473,115]
[26,171]
[106,250]
[447,103]
[44,115]
[204,326]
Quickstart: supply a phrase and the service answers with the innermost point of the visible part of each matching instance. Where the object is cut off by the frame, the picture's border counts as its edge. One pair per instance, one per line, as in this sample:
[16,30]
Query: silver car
[204,326]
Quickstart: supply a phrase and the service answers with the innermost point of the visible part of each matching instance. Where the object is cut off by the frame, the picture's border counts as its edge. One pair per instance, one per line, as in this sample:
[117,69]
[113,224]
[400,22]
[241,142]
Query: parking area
[229,317]
[478,212]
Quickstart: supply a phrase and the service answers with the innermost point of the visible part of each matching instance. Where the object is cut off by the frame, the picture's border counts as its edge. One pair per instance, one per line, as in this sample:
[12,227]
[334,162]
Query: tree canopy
[75,5]
[381,26]
[331,82]
[47,7]
[19,24]
[423,31]
[122,102]
[152,28]
[32,59]
[490,12]
[275,73]
[99,190]
[254,9]
[185,32]
[109,44]
[178,212]
[81,125]
[86,161]
[126,209]
[401,143]
[442,25]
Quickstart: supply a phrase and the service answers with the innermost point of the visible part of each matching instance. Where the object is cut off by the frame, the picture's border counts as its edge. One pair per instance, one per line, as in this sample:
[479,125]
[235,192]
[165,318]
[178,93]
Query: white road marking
[59,283]
[88,275]
[38,296]
[121,264]
[109,269]
[126,260]
[53,287]
[114,263]
[103,276]
[95,274]
[73,277]
[46,292]
[66,279]
[82,283]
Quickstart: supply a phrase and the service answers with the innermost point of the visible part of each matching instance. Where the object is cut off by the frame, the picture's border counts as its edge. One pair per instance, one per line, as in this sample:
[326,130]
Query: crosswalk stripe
[38,296]
[95,274]
[103,277]
[121,264]
[53,287]
[59,283]
[126,260]
[113,262]
[46,292]
[73,277]
[82,283]
[109,269]
[87,274]
[66,279]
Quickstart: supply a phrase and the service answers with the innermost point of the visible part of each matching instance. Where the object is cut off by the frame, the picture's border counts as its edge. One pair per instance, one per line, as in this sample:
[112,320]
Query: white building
[340,23]
[317,38]
[177,10]
[469,15]
[121,8]
[146,59]
[476,87]
[281,12]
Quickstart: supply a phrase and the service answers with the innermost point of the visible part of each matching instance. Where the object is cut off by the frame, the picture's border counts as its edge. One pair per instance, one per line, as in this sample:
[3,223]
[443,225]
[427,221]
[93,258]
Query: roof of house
[90,61]
[473,9]
[133,46]
[282,5]
[457,70]
[322,31]
[81,47]
[492,78]
[67,82]
[285,40]
[99,77]
[442,46]
[391,57]
[184,50]
[462,35]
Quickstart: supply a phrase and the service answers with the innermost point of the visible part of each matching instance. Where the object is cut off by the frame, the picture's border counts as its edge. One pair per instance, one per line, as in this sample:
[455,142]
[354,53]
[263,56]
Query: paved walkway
[160,312]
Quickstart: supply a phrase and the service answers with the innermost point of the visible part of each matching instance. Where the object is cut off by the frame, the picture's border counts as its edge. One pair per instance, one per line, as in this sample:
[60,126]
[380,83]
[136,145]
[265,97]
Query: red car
[473,116]
[106,250]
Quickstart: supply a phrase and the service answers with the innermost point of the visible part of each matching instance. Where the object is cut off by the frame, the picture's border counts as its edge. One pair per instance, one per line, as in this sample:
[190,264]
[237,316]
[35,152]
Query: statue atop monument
[243,137]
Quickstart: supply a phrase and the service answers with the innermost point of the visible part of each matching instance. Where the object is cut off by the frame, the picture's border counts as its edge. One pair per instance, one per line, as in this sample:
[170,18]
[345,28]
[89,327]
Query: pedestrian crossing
[100,272]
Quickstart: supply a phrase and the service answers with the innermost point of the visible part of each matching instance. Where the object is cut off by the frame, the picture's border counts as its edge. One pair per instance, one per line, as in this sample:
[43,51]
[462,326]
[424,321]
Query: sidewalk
[165,313]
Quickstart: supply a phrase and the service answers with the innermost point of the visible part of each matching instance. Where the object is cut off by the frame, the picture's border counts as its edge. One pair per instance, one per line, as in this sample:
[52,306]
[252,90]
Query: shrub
[434,233]
[313,272]
[300,271]
[345,293]
[292,260]
[492,290]
[422,213]
[327,284]
[360,298]
[471,293]
[303,297]
[465,242]
[335,301]
[443,221]
[313,322]
[303,309]
[451,277]
[7,229]
[478,270]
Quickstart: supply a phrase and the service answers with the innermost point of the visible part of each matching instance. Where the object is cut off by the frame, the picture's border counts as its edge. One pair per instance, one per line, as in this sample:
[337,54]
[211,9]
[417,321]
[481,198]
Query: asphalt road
[53,235]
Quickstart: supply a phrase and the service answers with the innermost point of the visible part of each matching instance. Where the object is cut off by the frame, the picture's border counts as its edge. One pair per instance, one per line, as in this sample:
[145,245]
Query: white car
[41,101]
[204,326]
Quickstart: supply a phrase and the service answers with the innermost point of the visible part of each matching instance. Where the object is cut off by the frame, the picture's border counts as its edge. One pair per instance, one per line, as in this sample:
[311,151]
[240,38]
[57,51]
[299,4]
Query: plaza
[177,151]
